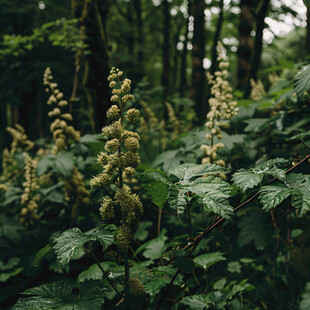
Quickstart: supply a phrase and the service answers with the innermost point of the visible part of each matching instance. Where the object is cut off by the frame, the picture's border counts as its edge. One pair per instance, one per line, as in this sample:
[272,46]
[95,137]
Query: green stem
[126,271]
[188,204]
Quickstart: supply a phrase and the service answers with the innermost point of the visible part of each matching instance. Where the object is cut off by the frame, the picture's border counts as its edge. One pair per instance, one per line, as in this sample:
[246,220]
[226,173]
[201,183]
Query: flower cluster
[75,190]
[176,126]
[257,89]
[62,132]
[28,200]
[119,161]
[222,108]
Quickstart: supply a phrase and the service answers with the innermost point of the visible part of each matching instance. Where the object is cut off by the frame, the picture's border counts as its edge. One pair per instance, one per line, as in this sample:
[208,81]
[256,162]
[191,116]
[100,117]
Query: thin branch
[198,238]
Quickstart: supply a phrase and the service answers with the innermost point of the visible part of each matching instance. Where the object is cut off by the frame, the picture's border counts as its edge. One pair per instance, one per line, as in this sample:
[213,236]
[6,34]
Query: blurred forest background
[166,47]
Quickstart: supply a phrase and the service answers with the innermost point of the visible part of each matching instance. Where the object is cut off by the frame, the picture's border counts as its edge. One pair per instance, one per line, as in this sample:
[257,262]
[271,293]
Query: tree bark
[198,79]
[183,79]
[308,31]
[216,38]
[260,15]
[165,79]
[93,15]
[246,45]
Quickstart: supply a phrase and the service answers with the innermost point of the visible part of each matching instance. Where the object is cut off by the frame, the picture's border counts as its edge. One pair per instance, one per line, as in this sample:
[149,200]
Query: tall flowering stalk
[222,108]
[118,162]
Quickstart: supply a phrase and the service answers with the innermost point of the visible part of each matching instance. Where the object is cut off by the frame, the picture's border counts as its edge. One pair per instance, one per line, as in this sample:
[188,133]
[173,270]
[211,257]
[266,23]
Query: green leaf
[39,256]
[186,172]
[4,276]
[71,242]
[59,296]
[218,203]
[198,302]
[301,197]
[302,80]
[158,175]
[12,262]
[249,178]
[305,302]
[272,195]
[61,163]
[177,200]
[234,267]
[255,228]
[300,136]
[209,259]
[142,232]
[306,2]
[158,191]
[154,248]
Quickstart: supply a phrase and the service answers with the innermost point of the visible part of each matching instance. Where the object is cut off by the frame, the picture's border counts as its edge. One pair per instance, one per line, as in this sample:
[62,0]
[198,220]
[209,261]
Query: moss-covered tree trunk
[246,44]
[198,79]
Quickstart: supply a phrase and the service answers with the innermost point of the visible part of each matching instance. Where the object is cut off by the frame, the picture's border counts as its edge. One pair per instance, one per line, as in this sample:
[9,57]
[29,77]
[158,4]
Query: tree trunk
[183,79]
[216,39]
[258,44]
[308,31]
[165,79]
[93,20]
[198,80]
[138,9]
[246,45]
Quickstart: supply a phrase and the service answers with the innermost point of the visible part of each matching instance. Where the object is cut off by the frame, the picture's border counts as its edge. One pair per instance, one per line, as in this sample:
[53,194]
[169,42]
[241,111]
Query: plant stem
[160,211]
[126,271]
[90,251]
[188,204]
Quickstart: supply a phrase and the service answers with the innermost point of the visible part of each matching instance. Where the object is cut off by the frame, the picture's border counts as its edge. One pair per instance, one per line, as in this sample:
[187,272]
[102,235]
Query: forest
[155,154]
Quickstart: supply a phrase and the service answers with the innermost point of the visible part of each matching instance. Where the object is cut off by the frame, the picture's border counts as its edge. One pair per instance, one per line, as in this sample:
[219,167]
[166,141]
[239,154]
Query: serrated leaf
[209,259]
[301,197]
[186,172]
[272,195]
[217,202]
[198,302]
[245,179]
[158,191]
[61,163]
[255,228]
[58,296]
[302,81]
[305,302]
[158,175]
[177,200]
[71,242]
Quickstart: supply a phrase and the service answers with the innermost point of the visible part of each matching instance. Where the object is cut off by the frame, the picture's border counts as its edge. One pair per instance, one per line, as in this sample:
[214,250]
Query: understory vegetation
[169,204]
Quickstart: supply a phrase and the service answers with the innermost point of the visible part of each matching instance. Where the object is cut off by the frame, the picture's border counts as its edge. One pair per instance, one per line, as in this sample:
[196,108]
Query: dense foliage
[178,189]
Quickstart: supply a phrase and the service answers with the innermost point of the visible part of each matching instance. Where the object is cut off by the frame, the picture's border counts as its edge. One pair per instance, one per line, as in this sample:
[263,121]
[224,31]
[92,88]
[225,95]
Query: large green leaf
[71,242]
[186,172]
[209,259]
[305,302]
[59,296]
[302,81]
[272,195]
[301,197]
[61,163]
[256,228]
[249,178]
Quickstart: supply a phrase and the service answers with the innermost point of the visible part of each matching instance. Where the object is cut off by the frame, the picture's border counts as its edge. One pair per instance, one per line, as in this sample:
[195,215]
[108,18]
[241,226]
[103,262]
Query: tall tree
[216,38]
[183,80]
[246,44]
[93,15]
[198,80]
[260,14]
[166,48]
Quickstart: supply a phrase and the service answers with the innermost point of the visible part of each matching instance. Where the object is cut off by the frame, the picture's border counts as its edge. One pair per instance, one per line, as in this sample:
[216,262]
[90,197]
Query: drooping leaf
[59,296]
[71,242]
[300,136]
[301,197]
[158,191]
[39,256]
[209,259]
[246,179]
[4,276]
[177,199]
